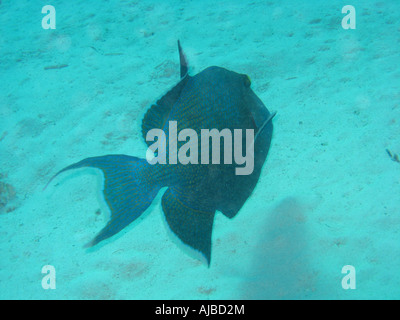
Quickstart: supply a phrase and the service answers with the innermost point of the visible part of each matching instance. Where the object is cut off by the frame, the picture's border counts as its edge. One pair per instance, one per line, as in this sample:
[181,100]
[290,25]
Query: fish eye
[247,81]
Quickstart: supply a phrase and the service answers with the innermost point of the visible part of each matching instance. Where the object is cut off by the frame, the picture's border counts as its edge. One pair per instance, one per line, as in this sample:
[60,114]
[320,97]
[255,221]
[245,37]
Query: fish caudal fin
[129,188]
[193,227]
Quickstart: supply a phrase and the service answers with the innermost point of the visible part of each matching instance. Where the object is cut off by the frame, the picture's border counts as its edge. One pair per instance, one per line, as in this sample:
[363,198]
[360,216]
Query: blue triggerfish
[215,98]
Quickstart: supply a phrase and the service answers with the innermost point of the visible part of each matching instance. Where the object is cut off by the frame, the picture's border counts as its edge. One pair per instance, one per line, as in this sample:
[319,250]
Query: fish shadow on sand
[280,268]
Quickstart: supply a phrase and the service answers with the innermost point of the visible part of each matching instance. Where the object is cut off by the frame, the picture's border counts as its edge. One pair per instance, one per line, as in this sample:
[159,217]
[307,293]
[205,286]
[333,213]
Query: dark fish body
[215,98]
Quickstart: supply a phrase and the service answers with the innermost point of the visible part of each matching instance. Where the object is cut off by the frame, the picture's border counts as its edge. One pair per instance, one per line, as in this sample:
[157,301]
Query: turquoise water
[328,195]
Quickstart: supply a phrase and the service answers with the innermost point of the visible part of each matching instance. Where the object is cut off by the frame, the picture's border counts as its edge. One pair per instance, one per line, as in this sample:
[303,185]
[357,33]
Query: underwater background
[329,192]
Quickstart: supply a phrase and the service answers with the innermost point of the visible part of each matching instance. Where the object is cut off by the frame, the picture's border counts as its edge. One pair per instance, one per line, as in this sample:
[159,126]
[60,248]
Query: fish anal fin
[232,204]
[193,227]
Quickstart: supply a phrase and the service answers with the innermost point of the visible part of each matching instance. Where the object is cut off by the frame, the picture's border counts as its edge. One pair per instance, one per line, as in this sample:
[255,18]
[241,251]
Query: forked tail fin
[130,185]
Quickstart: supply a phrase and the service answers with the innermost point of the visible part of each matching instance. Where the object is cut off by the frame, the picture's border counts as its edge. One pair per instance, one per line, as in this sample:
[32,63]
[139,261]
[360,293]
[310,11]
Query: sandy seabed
[328,195]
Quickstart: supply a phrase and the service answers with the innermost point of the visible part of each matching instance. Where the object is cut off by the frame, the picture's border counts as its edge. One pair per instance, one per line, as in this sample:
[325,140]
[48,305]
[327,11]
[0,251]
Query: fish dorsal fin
[158,113]
[183,61]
